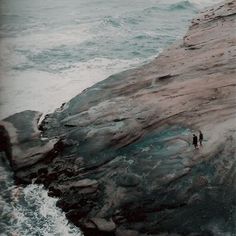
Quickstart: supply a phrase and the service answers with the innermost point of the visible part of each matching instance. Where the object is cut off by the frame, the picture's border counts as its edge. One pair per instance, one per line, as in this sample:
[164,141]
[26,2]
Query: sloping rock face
[119,156]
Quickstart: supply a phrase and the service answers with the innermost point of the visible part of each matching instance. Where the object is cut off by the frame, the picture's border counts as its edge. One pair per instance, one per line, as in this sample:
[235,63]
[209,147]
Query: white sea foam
[199,4]
[26,59]
[43,217]
[205,3]
[29,211]
[12,48]
[47,39]
[45,91]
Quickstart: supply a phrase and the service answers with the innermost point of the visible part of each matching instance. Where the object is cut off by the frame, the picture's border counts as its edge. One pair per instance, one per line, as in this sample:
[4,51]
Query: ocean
[50,51]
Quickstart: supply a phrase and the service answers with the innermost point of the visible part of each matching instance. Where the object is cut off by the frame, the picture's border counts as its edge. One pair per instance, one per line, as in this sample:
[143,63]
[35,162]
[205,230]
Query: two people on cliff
[196,139]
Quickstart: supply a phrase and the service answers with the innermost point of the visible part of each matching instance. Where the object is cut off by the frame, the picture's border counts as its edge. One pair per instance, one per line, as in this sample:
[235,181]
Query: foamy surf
[29,211]
[45,91]
[204,3]
[46,217]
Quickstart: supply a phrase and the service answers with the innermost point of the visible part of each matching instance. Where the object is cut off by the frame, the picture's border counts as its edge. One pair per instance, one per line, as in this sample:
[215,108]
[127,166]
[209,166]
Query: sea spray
[29,211]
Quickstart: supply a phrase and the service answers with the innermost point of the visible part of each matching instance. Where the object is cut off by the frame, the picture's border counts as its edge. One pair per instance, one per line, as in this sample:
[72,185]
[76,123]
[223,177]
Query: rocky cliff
[119,156]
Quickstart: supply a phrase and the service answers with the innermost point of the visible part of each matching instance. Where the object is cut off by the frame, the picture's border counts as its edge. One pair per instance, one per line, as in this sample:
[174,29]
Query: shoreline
[118,155]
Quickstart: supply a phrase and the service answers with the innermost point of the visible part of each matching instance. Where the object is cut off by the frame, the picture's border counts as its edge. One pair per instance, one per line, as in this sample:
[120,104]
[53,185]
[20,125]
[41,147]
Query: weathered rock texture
[119,155]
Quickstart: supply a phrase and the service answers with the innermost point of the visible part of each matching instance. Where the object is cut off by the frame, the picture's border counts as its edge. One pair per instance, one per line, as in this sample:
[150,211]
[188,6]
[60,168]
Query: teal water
[52,50]
[53,35]
[159,145]
[67,46]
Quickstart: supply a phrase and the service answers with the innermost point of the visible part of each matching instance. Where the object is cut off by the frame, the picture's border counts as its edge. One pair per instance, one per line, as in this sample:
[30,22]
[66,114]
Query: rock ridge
[119,155]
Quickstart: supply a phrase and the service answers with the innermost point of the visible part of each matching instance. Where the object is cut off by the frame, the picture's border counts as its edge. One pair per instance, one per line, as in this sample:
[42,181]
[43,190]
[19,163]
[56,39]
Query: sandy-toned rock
[121,154]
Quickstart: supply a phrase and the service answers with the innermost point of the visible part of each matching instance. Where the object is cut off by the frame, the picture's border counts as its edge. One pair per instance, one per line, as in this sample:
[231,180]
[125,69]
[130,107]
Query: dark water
[52,50]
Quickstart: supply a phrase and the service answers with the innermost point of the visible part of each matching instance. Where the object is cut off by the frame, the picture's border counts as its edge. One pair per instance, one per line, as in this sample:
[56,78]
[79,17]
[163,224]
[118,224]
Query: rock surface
[119,155]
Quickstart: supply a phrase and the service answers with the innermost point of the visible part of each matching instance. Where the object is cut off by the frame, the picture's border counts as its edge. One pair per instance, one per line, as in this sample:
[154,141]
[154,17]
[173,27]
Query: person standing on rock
[195,141]
[200,137]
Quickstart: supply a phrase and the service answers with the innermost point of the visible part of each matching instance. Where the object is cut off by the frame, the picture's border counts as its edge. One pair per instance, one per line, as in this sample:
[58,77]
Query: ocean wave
[45,91]
[152,9]
[29,211]
[110,20]
[182,5]
[178,5]
[204,3]
[42,216]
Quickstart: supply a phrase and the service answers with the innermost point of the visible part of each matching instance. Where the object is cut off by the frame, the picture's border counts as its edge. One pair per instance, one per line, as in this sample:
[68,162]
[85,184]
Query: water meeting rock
[119,155]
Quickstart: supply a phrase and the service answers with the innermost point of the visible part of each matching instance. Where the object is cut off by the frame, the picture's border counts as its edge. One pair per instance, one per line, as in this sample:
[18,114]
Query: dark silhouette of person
[195,141]
[200,137]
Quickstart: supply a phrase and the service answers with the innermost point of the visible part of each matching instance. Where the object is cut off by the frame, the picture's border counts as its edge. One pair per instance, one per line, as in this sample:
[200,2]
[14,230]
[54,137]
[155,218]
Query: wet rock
[86,183]
[5,145]
[25,147]
[126,233]
[128,180]
[119,155]
[103,224]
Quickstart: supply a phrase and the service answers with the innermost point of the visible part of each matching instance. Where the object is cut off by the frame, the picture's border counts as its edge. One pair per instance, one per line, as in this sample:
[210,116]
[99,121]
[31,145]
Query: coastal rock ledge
[119,155]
